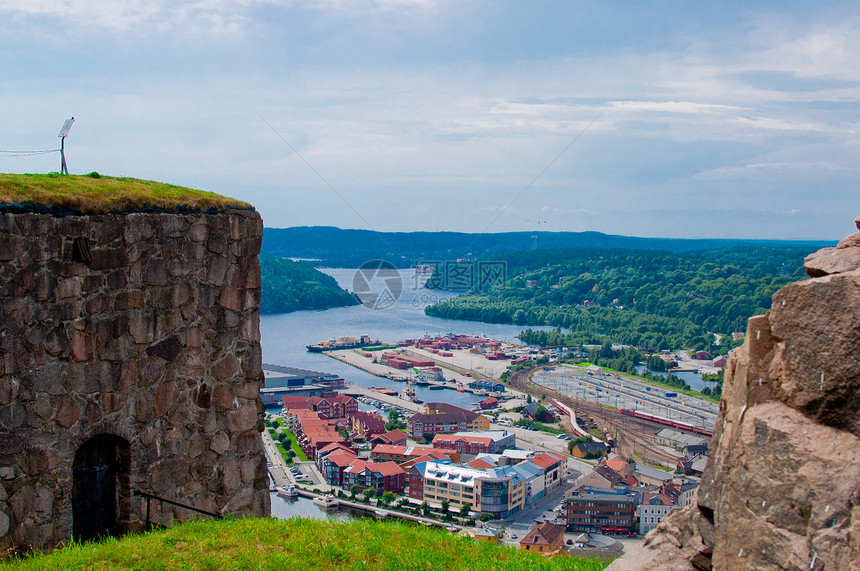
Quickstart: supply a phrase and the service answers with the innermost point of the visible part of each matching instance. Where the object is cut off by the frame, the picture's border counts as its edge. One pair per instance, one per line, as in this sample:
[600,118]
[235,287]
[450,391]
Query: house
[588,449]
[652,476]
[401,454]
[677,439]
[365,425]
[394,438]
[539,412]
[544,538]
[333,465]
[381,476]
[443,418]
[491,442]
[487,534]
[488,402]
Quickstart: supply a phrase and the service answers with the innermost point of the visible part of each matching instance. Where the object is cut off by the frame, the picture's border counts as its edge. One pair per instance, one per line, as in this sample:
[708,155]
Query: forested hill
[659,300]
[335,247]
[290,286]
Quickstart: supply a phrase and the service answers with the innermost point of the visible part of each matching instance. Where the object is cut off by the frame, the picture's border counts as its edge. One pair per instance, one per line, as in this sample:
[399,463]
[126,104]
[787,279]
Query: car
[570,542]
[513,536]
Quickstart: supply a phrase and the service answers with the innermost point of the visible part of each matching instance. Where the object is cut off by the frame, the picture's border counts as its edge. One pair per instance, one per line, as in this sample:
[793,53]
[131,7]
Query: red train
[667,422]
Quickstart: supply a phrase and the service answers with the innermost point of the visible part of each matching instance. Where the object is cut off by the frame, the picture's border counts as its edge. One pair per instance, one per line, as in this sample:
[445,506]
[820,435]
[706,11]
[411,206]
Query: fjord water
[284,337]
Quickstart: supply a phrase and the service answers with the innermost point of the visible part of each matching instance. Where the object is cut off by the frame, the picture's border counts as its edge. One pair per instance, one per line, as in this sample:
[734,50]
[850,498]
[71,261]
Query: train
[665,421]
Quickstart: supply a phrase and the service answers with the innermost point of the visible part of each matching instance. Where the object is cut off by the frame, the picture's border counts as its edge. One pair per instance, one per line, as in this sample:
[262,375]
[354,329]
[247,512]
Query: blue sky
[673,119]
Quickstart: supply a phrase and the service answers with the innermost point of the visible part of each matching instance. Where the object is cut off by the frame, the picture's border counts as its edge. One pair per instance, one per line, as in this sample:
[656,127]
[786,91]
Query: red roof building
[545,538]
[383,476]
[394,437]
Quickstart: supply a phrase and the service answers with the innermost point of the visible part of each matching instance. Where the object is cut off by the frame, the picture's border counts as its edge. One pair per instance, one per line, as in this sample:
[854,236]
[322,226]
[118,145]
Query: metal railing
[150,497]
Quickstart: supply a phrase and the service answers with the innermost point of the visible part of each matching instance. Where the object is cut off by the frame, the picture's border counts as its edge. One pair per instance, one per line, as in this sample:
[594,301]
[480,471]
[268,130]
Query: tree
[528,399]
[485,516]
[425,509]
[445,505]
[387,497]
[465,509]
[368,493]
[353,490]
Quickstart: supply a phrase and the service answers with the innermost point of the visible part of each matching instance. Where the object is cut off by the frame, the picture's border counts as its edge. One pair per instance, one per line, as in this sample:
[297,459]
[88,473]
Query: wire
[26,153]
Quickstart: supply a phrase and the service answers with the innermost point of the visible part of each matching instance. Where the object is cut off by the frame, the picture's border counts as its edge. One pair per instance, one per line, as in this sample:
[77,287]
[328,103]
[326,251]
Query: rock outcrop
[782,486]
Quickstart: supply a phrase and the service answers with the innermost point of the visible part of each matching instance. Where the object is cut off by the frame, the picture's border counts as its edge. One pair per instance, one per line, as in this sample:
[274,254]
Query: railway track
[634,438]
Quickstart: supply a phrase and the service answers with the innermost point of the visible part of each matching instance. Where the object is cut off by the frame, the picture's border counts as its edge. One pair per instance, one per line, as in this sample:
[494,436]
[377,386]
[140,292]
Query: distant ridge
[336,247]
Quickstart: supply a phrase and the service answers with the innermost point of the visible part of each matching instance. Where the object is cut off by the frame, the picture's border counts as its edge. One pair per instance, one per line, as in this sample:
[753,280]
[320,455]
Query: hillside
[94,193]
[659,300]
[291,286]
[296,544]
[344,248]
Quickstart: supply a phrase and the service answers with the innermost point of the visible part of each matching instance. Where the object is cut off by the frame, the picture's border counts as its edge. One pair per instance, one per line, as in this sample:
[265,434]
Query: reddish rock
[163,398]
[129,300]
[832,261]
[82,346]
[780,490]
[225,368]
[68,412]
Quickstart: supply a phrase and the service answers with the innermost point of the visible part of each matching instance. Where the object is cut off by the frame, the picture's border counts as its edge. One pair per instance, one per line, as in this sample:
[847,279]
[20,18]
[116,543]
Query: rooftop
[93,194]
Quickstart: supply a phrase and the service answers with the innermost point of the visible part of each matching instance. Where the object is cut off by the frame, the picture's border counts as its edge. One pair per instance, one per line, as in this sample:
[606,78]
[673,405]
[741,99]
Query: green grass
[92,194]
[296,544]
[293,442]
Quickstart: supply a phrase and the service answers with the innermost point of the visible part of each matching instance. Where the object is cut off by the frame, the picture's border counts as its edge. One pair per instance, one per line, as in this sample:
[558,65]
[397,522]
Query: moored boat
[289,492]
[326,502]
[380,514]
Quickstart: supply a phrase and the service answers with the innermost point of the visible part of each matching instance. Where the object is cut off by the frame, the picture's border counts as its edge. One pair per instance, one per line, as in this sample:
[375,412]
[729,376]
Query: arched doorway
[100,487]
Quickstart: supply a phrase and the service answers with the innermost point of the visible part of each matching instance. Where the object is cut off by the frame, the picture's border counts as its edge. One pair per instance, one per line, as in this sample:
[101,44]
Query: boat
[342,343]
[380,514]
[326,502]
[461,390]
[289,492]
[435,387]
[453,528]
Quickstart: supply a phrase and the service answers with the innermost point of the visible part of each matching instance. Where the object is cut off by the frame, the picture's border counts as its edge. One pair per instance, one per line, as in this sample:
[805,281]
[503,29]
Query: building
[394,437]
[498,491]
[381,476]
[489,442]
[653,509]
[295,382]
[430,374]
[545,538]
[489,386]
[334,406]
[554,468]
[678,440]
[365,425]
[600,511]
[443,418]
[401,454]
[333,464]
[488,402]
[588,449]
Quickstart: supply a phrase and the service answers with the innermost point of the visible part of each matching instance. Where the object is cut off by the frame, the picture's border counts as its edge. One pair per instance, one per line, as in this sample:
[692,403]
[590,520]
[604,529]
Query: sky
[665,119]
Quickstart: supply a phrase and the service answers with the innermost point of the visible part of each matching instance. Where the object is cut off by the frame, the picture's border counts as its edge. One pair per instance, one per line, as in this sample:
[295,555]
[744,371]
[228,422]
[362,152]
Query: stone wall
[142,327]
[782,486]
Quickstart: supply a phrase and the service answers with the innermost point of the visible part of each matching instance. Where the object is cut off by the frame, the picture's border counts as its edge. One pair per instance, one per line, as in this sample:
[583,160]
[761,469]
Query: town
[533,472]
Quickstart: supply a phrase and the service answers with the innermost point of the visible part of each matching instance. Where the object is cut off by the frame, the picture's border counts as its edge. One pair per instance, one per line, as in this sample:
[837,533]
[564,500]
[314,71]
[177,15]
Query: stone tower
[130,362]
